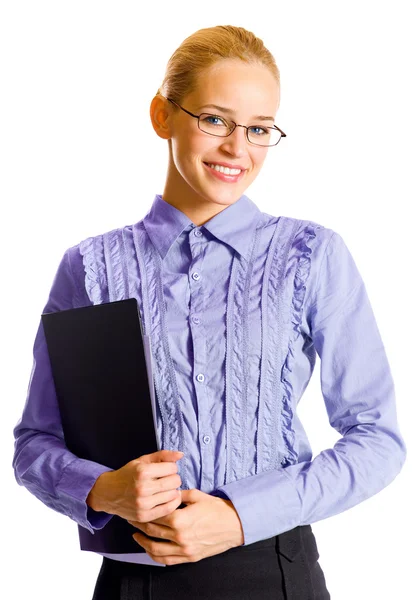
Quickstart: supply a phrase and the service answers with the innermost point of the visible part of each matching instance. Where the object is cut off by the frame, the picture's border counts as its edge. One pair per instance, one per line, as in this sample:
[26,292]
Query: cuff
[267,504]
[74,486]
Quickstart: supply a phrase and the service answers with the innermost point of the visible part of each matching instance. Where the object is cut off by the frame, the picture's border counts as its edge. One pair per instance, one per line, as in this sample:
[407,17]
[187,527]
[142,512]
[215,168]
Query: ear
[161,120]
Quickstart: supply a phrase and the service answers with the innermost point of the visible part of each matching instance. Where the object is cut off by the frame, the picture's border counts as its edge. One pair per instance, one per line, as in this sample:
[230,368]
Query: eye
[259,131]
[211,118]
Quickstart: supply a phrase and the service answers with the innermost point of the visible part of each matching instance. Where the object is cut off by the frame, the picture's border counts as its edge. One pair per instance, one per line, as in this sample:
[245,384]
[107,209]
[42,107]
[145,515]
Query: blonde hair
[206,47]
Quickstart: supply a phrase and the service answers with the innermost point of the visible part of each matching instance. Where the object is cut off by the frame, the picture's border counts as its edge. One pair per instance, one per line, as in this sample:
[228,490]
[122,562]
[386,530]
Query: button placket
[197,245]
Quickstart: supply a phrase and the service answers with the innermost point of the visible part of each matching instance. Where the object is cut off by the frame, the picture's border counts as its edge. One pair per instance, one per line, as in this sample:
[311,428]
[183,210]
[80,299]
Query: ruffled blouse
[237,311]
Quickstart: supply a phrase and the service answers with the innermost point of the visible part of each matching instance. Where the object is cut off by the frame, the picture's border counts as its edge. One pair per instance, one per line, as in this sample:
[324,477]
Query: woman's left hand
[206,526]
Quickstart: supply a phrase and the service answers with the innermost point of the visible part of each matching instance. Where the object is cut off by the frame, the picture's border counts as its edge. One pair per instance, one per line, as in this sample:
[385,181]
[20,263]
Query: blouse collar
[235,225]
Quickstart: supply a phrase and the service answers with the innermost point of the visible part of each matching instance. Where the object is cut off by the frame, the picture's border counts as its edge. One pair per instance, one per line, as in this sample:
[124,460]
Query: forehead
[245,88]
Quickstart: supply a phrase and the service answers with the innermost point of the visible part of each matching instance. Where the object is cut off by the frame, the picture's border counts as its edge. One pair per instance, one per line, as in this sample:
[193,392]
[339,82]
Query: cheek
[189,153]
[258,159]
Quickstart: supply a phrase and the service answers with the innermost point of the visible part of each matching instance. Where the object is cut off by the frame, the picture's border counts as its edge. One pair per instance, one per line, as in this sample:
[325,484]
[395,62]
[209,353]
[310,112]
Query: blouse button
[200,377]
[198,233]
[196,276]
[206,439]
[196,320]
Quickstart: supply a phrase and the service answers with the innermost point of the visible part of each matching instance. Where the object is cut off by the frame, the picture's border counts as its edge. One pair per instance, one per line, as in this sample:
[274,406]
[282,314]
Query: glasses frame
[234,126]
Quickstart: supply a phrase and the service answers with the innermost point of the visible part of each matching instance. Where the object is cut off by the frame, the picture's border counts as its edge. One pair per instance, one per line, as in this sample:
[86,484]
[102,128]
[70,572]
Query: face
[191,186]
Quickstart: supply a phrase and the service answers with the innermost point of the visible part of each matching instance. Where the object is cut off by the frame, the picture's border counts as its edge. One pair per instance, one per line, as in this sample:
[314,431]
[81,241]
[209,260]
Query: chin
[224,199]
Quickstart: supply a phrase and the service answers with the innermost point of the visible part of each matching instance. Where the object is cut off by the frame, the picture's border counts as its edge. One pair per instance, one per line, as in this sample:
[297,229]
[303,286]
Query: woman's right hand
[142,490]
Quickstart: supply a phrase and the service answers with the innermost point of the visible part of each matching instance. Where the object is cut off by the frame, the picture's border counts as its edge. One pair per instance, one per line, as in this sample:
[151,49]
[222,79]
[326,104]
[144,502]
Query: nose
[236,143]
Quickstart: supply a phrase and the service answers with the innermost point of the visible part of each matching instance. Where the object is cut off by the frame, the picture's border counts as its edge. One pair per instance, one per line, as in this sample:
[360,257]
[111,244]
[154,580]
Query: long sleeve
[358,392]
[41,461]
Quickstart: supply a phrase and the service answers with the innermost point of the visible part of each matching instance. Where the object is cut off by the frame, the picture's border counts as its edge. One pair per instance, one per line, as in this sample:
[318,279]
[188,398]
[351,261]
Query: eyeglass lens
[257,134]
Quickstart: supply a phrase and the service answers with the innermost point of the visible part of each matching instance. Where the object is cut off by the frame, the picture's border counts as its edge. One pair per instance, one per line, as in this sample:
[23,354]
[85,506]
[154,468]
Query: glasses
[221,127]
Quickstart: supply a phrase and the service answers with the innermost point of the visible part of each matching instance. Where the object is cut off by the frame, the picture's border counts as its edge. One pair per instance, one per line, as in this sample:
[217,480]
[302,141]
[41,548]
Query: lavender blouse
[236,311]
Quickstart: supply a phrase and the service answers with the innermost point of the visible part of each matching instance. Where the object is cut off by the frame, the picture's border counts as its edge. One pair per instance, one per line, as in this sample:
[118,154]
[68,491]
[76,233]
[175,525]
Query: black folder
[101,366]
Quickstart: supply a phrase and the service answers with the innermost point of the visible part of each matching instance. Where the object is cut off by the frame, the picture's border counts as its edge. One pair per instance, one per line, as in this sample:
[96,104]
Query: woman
[237,304]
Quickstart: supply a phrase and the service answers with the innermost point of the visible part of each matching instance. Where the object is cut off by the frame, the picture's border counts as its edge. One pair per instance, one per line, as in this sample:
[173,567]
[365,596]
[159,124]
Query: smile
[225,170]
[224,173]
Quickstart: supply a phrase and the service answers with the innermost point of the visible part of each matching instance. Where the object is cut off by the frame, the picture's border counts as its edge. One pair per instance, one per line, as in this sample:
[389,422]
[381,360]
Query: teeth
[225,170]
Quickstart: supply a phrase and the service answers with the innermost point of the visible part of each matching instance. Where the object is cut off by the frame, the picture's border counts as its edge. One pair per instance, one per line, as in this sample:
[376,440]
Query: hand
[144,489]
[205,527]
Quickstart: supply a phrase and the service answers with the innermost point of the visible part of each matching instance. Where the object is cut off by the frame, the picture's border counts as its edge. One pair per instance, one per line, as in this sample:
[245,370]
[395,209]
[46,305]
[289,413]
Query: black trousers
[284,567]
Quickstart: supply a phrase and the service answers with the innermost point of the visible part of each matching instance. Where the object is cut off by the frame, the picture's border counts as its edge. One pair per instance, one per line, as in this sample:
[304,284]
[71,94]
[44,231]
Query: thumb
[191,496]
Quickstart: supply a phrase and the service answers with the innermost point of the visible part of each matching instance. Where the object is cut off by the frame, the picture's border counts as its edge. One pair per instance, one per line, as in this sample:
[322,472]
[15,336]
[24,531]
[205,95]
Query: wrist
[96,498]
[238,527]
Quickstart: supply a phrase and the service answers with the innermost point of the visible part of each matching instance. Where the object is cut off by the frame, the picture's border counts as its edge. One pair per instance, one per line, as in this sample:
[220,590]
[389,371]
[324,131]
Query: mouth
[224,176]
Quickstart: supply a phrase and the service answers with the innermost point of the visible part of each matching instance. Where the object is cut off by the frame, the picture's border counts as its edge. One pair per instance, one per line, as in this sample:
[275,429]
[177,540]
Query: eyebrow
[232,112]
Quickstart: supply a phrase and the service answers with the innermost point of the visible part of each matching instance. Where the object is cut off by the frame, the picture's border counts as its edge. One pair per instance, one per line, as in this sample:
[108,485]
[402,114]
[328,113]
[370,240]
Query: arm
[358,392]
[41,461]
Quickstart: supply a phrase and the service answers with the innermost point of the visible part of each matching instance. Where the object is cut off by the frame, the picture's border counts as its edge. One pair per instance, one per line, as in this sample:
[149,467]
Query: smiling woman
[235,304]
[191,146]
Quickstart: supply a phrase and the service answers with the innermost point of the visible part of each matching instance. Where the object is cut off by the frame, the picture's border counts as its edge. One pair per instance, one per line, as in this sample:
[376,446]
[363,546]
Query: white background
[79,157]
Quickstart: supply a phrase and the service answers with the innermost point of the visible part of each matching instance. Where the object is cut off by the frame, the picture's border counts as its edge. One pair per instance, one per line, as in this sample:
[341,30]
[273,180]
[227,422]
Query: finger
[154,530]
[161,510]
[161,456]
[157,548]
[148,488]
[163,484]
[165,553]
[166,484]
[166,455]
[150,501]
[136,524]
[155,470]
[192,496]
[188,497]
[170,560]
